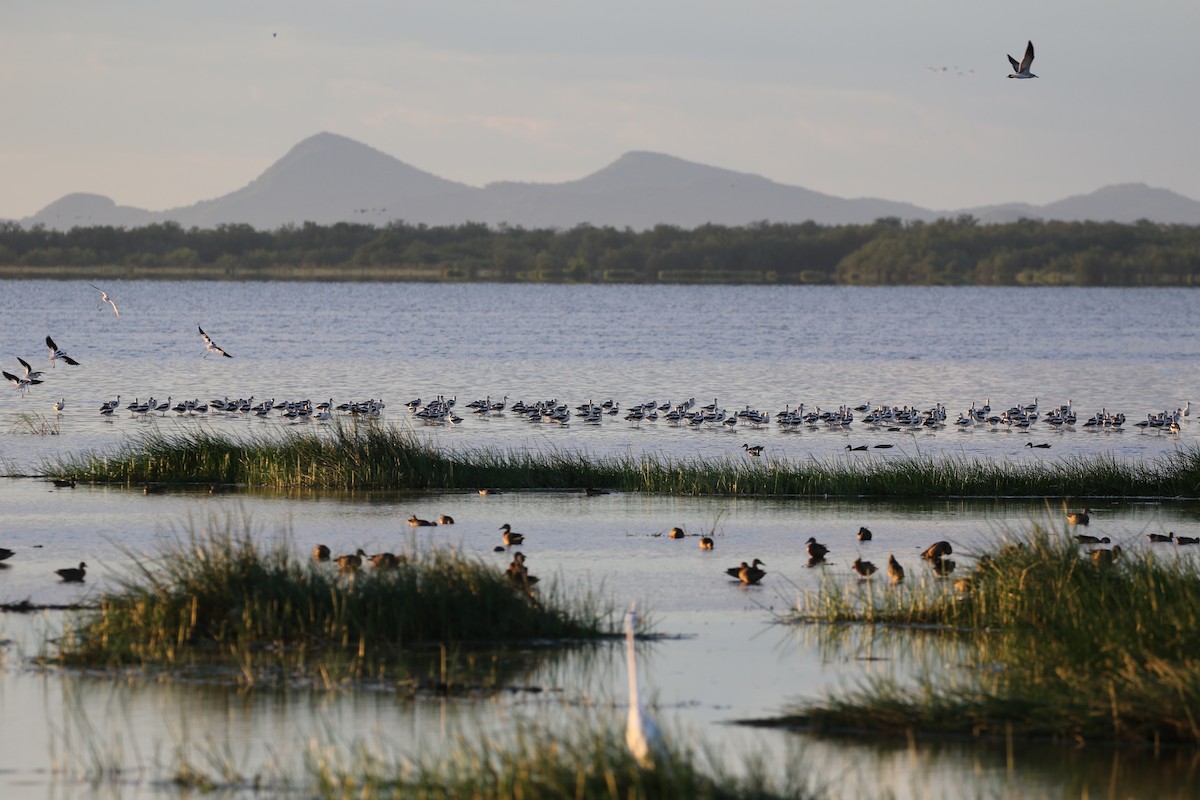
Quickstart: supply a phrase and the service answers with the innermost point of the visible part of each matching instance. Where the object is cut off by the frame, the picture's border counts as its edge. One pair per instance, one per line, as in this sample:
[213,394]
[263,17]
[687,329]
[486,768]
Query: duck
[445,519]
[883,446]
[963,585]
[706,543]
[744,571]
[589,492]
[936,551]
[755,451]
[1187,540]
[64,483]
[5,554]
[1106,556]
[1043,445]
[676,533]
[72,574]
[856,449]
[351,563]
[420,523]
[1158,537]
[510,537]
[320,553]
[815,549]
[1084,538]
[894,570]
[385,561]
[864,535]
[518,573]
[153,488]
[864,568]
[1079,517]
[942,566]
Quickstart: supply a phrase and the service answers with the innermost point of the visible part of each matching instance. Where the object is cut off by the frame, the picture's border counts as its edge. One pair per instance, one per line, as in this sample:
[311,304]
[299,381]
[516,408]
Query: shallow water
[768,347]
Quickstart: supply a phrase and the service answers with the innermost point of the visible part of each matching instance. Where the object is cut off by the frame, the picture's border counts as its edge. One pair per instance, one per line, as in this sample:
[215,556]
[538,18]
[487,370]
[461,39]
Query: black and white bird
[1022,70]
[30,373]
[104,298]
[59,355]
[210,346]
[21,384]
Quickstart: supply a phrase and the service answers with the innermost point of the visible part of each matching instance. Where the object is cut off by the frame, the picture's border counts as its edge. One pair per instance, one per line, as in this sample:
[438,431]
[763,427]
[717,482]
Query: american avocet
[30,372]
[22,384]
[60,404]
[210,346]
[58,355]
[1022,70]
[104,298]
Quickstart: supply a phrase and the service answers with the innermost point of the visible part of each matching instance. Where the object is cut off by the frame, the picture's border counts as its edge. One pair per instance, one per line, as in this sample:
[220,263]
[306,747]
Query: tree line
[957,251]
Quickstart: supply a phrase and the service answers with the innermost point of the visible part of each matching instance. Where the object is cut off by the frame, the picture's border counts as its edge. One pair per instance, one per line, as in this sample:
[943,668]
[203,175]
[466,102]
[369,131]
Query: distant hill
[329,178]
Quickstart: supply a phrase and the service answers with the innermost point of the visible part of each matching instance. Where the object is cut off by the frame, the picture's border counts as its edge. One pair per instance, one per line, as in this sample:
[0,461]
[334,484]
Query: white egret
[641,733]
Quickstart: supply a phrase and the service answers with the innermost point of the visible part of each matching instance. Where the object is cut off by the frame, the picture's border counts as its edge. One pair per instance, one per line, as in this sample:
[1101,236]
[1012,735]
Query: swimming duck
[445,519]
[64,483]
[72,574]
[815,549]
[509,536]
[747,573]
[706,543]
[936,551]
[5,554]
[1158,537]
[864,568]
[676,533]
[1106,556]
[864,535]
[1084,538]
[420,523]
[1187,540]
[320,553]
[856,449]
[351,563]
[385,561]
[894,570]
[1043,446]
[1079,517]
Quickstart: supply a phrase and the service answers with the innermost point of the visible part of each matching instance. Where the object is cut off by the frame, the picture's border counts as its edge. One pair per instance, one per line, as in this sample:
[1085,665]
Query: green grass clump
[360,456]
[1058,645]
[223,598]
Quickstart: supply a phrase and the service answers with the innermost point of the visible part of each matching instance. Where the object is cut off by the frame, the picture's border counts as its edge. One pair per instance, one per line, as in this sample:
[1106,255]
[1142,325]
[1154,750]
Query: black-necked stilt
[104,298]
[1022,70]
[210,346]
[58,355]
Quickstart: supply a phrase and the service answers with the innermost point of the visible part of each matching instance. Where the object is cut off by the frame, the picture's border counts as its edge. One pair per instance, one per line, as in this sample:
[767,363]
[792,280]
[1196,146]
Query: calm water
[1131,351]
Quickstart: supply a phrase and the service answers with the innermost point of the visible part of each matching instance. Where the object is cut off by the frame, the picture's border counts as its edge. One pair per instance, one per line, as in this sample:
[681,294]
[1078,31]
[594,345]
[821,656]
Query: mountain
[329,178]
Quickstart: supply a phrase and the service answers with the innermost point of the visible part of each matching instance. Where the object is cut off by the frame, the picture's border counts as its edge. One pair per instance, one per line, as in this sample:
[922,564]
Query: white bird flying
[210,346]
[30,372]
[58,355]
[104,298]
[641,733]
[1022,70]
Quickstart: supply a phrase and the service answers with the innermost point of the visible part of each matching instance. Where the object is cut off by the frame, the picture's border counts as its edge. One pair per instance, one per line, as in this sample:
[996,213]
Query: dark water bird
[1079,517]
[816,549]
[58,355]
[420,523]
[937,550]
[1043,445]
[1084,538]
[509,536]
[755,451]
[856,449]
[942,566]
[320,553]
[5,554]
[72,574]
[445,519]
[588,492]
[676,533]
[1106,556]
[486,492]
[518,573]
[1187,540]
[351,563]
[883,446]
[864,568]
[1158,537]
[153,488]
[747,573]
[1021,70]
[706,543]
[210,346]
[864,535]
[104,298]
[894,570]
[385,561]
[64,483]
[642,736]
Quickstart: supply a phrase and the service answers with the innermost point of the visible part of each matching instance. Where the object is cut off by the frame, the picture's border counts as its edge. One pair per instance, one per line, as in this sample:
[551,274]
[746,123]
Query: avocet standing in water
[1022,70]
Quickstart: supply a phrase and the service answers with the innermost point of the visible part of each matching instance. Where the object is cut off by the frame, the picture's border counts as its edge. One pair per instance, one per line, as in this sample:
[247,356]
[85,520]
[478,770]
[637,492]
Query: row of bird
[291,410]
[936,554]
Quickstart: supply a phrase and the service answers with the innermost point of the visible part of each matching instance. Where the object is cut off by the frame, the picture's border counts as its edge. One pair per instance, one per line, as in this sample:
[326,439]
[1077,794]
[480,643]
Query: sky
[159,105]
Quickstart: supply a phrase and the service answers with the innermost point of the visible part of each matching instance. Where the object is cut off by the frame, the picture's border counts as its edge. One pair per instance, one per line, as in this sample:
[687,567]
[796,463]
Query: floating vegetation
[222,599]
[1058,643]
[366,455]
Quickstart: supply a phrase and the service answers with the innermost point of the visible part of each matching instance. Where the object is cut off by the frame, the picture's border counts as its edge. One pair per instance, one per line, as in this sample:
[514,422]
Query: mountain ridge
[329,178]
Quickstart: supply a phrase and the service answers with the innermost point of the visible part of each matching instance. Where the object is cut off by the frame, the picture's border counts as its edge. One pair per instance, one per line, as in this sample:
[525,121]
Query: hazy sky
[160,104]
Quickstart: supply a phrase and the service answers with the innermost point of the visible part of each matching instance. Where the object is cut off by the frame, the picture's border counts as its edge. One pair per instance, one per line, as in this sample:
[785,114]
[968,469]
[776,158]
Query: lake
[1127,351]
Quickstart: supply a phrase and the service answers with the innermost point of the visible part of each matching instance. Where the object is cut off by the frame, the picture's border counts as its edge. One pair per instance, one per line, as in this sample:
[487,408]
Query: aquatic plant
[222,597]
[362,456]
[1058,644]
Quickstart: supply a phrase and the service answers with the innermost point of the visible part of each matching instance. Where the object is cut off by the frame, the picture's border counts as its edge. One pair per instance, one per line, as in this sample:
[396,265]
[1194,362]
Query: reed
[360,456]
[1058,646]
[223,598]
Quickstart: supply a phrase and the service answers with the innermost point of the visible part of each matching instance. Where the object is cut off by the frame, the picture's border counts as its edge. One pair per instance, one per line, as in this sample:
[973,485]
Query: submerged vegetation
[220,598]
[367,456]
[1058,644]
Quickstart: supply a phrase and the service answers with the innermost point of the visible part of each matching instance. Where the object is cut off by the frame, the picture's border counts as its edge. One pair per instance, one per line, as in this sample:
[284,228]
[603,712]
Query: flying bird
[22,384]
[104,298]
[58,355]
[1022,70]
[210,346]
[30,372]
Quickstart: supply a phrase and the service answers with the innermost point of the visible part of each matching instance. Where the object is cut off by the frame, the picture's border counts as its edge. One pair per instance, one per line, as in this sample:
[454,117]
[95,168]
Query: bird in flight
[58,355]
[30,373]
[1022,70]
[104,298]
[210,346]
[21,384]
